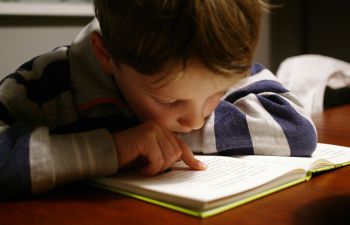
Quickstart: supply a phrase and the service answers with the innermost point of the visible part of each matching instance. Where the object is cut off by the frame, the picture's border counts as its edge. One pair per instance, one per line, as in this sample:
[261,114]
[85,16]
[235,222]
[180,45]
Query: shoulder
[41,77]
[55,61]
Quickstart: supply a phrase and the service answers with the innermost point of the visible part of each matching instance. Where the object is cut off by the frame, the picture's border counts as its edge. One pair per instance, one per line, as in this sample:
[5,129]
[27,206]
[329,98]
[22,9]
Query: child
[151,80]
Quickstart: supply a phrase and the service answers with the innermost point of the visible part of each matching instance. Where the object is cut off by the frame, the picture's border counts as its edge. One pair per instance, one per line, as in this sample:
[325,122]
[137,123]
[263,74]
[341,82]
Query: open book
[228,182]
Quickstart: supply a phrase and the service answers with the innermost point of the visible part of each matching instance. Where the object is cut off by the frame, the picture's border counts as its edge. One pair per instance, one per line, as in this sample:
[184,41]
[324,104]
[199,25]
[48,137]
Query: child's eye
[166,104]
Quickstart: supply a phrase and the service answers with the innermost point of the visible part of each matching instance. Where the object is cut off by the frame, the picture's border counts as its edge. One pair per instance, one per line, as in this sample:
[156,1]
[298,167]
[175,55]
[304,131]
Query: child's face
[180,102]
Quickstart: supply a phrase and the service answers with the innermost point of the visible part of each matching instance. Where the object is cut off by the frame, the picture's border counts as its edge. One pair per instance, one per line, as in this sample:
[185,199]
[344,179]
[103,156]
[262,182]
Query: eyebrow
[170,99]
[165,98]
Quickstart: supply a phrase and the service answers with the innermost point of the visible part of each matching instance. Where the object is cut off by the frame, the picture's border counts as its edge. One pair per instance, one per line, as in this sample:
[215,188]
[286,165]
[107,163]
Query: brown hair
[146,34]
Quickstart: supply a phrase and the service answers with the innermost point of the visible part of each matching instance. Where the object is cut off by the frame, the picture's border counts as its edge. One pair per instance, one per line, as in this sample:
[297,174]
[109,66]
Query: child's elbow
[303,140]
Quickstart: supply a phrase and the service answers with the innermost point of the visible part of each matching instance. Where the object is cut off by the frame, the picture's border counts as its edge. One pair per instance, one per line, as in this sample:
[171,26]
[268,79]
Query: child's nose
[193,120]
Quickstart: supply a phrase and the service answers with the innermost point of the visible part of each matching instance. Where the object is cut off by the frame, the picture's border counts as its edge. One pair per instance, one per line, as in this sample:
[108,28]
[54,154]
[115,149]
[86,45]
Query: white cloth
[308,75]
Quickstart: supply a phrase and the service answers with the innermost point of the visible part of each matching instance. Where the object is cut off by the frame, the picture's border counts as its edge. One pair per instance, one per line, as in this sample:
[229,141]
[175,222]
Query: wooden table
[324,200]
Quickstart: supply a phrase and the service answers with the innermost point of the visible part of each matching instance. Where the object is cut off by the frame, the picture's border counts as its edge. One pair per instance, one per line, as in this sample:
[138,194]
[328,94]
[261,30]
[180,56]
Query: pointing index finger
[188,157]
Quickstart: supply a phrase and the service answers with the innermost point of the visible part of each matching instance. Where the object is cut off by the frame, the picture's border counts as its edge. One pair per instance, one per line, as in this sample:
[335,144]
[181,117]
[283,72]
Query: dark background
[309,27]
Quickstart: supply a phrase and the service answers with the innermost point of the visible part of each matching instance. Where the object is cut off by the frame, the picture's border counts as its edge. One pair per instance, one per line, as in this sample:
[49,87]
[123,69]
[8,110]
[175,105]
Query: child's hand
[157,144]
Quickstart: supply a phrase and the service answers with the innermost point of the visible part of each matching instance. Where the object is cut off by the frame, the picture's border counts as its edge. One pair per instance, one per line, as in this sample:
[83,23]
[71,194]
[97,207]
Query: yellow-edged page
[228,182]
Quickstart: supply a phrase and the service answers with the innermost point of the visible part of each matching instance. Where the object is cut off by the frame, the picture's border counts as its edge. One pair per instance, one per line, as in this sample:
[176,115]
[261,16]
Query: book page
[324,155]
[305,163]
[224,177]
[332,153]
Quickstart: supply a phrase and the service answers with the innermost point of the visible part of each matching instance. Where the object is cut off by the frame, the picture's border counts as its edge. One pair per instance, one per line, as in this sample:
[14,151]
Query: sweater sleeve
[32,159]
[257,116]
[34,162]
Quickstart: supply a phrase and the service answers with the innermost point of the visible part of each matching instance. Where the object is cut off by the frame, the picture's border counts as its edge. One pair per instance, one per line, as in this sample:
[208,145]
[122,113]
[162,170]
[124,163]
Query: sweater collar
[90,84]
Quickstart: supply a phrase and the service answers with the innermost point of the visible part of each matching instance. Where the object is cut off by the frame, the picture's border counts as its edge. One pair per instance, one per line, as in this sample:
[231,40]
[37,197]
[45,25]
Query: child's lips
[183,130]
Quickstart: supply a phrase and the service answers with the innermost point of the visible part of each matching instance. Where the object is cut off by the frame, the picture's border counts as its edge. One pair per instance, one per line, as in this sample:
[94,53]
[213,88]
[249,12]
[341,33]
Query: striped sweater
[57,112]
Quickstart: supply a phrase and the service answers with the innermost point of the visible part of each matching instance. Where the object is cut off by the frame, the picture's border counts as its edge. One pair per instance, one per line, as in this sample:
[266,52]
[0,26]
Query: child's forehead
[193,80]
[195,73]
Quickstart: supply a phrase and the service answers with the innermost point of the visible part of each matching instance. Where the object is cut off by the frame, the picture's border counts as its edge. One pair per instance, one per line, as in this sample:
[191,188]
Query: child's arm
[258,116]
[32,161]
[33,101]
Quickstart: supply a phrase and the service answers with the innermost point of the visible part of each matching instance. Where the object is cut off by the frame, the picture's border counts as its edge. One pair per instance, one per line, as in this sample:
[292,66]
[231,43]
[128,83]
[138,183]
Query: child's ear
[101,53]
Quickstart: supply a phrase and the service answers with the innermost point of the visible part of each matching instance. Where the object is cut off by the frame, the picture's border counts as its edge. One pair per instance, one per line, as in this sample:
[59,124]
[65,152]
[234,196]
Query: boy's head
[174,59]
[145,34]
